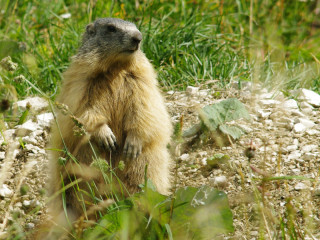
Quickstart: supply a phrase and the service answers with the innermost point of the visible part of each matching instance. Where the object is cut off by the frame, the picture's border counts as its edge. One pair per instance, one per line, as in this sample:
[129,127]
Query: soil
[272,147]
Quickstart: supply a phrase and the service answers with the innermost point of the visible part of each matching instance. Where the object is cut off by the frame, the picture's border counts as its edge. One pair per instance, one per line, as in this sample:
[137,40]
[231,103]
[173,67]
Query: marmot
[111,88]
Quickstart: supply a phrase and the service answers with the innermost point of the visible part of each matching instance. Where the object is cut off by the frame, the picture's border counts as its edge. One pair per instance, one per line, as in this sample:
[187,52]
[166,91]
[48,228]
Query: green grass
[189,42]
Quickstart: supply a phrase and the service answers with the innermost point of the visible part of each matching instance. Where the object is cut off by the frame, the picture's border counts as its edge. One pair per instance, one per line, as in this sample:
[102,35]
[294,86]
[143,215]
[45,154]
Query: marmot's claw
[132,148]
[107,139]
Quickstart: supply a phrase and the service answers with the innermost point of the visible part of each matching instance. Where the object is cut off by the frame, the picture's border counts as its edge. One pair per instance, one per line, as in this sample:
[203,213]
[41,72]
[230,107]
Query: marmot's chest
[111,97]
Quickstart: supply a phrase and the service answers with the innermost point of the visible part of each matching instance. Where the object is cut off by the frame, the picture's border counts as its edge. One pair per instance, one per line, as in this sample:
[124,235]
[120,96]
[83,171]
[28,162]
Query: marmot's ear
[91,29]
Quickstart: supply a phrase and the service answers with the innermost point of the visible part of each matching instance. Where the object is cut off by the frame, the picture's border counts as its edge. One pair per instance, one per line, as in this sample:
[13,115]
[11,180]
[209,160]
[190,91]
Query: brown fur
[118,91]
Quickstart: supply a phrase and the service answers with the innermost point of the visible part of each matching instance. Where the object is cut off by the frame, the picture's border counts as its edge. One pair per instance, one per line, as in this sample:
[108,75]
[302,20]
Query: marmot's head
[111,38]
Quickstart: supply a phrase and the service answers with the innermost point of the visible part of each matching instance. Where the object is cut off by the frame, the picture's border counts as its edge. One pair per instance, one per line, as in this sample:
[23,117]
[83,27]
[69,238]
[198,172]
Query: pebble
[291,148]
[5,191]
[291,104]
[2,155]
[306,122]
[263,114]
[37,104]
[269,102]
[30,225]
[184,156]
[309,156]
[309,148]
[192,91]
[299,128]
[220,181]
[310,97]
[26,128]
[300,186]
[295,155]
[44,120]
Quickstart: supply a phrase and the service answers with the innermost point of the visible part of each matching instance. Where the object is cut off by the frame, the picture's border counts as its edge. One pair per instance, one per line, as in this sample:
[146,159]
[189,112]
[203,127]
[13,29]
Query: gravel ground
[283,134]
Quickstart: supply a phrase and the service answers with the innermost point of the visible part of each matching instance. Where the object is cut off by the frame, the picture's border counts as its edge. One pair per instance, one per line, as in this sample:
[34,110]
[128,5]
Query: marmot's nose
[136,37]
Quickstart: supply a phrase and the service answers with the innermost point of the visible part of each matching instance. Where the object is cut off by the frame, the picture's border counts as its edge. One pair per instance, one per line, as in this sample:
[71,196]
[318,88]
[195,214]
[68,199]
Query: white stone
[204,161]
[45,119]
[309,156]
[263,114]
[297,113]
[269,102]
[305,105]
[220,181]
[309,148]
[170,92]
[26,128]
[310,97]
[37,104]
[26,203]
[299,127]
[30,140]
[300,186]
[5,191]
[295,155]
[192,91]
[2,155]
[31,148]
[306,122]
[290,104]
[30,225]
[291,148]
[312,132]
[9,135]
[307,111]
[184,156]
[295,141]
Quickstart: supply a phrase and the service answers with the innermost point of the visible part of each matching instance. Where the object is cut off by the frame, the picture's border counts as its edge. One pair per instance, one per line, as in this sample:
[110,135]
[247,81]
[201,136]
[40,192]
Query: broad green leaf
[201,213]
[217,116]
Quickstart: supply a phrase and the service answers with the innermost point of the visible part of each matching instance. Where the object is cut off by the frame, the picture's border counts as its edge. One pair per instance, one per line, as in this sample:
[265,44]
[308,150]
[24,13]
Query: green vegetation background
[189,41]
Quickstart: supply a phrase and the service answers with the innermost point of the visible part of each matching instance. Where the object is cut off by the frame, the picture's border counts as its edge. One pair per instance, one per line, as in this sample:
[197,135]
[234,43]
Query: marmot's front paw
[132,147]
[106,138]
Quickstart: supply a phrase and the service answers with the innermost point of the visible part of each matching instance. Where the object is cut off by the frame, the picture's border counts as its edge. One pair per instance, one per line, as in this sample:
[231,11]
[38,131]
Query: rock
[30,140]
[263,114]
[192,91]
[26,128]
[310,97]
[290,104]
[309,148]
[2,155]
[204,161]
[220,181]
[312,132]
[26,203]
[30,226]
[292,148]
[305,105]
[309,156]
[44,120]
[269,102]
[297,113]
[299,128]
[295,155]
[306,122]
[300,186]
[9,135]
[184,156]
[37,104]
[170,92]
[31,148]
[5,191]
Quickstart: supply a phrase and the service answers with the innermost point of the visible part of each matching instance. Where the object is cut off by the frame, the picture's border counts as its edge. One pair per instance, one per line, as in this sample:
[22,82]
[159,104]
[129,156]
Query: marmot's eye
[112,28]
